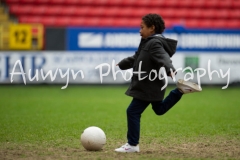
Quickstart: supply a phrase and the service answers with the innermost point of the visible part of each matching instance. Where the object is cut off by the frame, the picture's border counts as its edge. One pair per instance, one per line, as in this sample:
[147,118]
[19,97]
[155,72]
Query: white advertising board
[94,67]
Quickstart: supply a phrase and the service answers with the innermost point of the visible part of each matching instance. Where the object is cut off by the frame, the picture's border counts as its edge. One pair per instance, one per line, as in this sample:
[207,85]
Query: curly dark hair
[156,20]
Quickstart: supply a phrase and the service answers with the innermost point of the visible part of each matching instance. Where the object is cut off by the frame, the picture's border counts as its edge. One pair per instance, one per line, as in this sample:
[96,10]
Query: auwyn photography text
[161,74]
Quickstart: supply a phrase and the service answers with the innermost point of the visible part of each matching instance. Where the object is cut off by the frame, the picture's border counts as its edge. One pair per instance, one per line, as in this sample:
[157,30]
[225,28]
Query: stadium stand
[127,13]
[4,22]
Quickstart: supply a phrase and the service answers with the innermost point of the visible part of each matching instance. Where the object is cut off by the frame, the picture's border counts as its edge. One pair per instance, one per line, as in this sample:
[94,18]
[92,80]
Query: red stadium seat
[12,1]
[206,23]
[107,22]
[192,23]
[219,24]
[144,3]
[185,4]
[236,4]
[29,19]
[96,11]
[167,13]
[128,2]
[52,10]
[221,13]
[71,10]
[116,2]
[159,3]
[170,3]
[233,24]
[127,11]
[82,11]
[182,13]
[121,22]
[20,10]
[197,4]
[42,2]
[48,20]
[94,21]
[234,14]
[79,21]
[26,1]
[63,21]
[211,4]
[135,22]
[197,13]
[225,4]
[206,13]
[112,11]
[72,2]
[136,13]
[56,2]
[40,10]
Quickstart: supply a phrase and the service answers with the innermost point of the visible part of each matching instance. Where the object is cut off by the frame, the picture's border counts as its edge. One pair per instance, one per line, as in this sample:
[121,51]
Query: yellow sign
[20,36]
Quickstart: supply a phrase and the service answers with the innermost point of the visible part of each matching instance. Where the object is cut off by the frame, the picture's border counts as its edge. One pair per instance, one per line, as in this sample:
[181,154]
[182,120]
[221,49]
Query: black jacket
[154,53]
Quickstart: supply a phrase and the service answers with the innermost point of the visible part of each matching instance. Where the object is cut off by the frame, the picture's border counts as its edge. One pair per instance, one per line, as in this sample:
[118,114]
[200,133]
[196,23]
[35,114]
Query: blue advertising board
[107,39]
[127,39]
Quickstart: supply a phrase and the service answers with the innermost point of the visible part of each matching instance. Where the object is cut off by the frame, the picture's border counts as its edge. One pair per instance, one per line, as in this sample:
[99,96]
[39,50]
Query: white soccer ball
[93,138]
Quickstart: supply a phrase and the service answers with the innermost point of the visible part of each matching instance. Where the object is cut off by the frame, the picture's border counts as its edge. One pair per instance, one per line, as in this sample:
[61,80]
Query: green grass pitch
[45,122]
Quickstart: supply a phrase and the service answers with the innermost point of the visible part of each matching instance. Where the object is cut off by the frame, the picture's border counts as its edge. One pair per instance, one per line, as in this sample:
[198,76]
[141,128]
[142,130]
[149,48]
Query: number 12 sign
[20,36]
